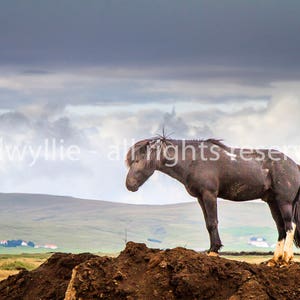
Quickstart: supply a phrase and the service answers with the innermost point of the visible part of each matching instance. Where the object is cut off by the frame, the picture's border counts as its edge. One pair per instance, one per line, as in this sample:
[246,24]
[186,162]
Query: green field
[77,225]
[12,264]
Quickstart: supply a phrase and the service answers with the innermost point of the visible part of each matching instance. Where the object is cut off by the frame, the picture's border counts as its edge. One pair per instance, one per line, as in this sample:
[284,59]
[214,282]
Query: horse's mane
[217,142]
[141,146]
[199,141]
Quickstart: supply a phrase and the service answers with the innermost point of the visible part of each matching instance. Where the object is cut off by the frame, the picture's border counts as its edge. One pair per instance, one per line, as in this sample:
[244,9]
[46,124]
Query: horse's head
[141,162]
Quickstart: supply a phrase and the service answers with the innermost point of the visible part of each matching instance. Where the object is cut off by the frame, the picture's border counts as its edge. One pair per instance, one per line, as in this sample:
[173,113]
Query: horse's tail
[296,218]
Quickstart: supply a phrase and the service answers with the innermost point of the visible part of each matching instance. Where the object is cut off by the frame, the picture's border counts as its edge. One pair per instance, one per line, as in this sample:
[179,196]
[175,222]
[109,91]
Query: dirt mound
[49,281]
[143,273]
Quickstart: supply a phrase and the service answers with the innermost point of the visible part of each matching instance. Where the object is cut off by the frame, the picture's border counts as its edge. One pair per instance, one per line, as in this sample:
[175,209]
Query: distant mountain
[77,225]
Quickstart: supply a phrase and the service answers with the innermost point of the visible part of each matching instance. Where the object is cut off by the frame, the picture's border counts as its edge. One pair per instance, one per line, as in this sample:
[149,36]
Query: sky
[91,77]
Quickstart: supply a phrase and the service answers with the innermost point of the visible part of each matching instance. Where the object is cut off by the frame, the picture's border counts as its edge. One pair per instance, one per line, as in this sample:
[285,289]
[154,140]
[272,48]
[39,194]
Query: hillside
[77,225]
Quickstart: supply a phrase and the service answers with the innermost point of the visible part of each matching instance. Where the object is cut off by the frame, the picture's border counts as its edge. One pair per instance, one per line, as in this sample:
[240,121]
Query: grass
[11,264]
[17,265]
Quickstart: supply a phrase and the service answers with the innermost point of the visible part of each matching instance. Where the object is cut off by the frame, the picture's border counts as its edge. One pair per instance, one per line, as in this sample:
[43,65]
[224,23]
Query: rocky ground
[143,273]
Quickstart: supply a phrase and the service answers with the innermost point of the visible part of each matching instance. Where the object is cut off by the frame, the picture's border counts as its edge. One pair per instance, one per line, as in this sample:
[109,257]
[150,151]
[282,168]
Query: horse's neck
[176,171]
[179,171]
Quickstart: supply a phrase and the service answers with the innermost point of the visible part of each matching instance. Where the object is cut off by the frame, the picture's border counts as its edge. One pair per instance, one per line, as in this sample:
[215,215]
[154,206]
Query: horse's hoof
[283,264]
[286,263]
[213,254]
[271,263]
[287,258]
[278,263]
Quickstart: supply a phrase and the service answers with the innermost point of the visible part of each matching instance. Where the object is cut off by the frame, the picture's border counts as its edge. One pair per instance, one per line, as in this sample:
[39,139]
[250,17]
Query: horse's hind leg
[276,214]
[286,210]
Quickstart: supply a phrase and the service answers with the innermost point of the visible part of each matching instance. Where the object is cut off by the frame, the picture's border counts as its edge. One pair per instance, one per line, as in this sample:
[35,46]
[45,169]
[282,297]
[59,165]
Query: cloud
[112,87]
[277,124]
[89,176]
[98,73]
[13,121]
[104,139]
[258,41]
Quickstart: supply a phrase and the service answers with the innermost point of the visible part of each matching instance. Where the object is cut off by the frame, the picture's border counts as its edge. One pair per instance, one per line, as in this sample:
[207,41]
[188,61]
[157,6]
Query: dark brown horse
[208,169]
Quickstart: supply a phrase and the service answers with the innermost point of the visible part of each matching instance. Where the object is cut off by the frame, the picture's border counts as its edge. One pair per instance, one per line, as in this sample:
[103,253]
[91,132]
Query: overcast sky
[99,73]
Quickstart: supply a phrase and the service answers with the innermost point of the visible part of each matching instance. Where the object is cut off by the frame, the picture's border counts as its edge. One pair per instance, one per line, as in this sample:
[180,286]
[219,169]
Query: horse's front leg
[208,203]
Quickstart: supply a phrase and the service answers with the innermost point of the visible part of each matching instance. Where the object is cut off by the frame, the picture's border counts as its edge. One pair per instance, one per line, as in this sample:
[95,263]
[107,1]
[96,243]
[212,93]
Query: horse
[209,170]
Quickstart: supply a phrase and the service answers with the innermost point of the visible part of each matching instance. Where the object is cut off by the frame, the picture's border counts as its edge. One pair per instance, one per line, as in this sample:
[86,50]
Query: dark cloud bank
[260,38]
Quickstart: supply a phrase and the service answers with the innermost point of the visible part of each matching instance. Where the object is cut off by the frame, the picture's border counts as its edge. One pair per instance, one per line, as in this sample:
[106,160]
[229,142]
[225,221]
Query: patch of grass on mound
[17,265]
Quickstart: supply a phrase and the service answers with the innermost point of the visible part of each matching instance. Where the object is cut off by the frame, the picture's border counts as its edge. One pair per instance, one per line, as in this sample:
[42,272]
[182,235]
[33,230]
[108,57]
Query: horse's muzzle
[132,187]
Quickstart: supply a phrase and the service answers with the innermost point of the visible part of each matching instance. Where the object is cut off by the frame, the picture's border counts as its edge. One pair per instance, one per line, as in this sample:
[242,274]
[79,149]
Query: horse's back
[285,177]
[250,176]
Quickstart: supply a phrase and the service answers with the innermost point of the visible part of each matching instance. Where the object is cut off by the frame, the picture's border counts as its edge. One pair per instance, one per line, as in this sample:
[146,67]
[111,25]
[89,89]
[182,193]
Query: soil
[49,281]
[143,273]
